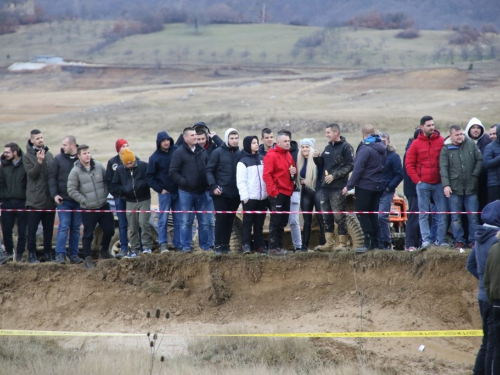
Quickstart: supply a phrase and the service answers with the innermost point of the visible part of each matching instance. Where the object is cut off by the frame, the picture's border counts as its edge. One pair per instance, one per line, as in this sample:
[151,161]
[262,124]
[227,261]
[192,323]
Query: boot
[342,243]
[105,254]
[329,244]
[88,263]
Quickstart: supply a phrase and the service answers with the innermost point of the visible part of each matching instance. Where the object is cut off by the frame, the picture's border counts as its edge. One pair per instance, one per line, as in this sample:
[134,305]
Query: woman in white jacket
[253,194]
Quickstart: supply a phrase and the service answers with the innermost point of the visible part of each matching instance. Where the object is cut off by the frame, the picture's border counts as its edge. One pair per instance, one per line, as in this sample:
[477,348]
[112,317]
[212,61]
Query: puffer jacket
[12,179]
[58,175]
[277,164]
[491,161]
[461,167]
[250,177]
[422,158]
[221,170]
[159,165]
[188,169]
[369,165]
[131,184]
[338,160]
[37,190]
[393,170]
[88,187]
[483,140]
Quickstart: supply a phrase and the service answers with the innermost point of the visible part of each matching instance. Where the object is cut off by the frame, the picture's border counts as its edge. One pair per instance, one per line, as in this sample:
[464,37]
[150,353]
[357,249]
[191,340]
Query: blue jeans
[167,202]
[68,221]
[471,203]
[211,219]
[121,204]
[425,191]
[194,202]
[294,220]
[384,237]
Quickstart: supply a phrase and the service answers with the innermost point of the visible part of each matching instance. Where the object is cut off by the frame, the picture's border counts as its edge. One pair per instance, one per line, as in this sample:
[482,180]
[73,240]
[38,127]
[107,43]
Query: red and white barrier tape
[244,212]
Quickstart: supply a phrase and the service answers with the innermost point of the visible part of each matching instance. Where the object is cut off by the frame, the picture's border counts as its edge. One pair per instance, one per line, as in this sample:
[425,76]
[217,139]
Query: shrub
[174,15]
[312,41]
[408,34]
[397,20]
[382,21]
[489,28]
[466,34]
[222,14]
[371,21]
[8,23]
[298,22]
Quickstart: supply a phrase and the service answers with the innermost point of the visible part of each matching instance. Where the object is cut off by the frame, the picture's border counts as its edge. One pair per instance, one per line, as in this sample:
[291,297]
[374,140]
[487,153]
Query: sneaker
[89,263]
[361,250]
[147,251]
[218,250]
[131,255]
[75,259]
[426,245]
[104,254]
[246,249]
[186,251]
[60,258]
[33,259]
[303,248]
[48,257]
[277,252]
[19,258]
[261,250]
[411,248]
[443,244]
[471,245]
[460,245]
[4,257]
[164,248]
[122,254]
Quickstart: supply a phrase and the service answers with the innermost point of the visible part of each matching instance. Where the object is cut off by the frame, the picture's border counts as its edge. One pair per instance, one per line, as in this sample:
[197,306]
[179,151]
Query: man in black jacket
[130,182]
[13,196]
[338,161]
[58,186]
[188,170]
[221,177]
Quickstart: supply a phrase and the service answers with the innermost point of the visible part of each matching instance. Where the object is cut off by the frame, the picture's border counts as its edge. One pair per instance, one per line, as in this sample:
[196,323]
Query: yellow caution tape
[456,333]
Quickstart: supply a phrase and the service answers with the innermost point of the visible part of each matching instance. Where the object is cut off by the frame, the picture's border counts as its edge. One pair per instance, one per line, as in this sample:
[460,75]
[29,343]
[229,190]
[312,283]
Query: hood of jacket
[433,136]
[226,137]
[474,121]
[31,148]
[491,219]
[374,141]
[160,137]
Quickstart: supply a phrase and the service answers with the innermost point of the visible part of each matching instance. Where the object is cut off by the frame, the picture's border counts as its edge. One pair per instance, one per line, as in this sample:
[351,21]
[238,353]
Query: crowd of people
[202,172]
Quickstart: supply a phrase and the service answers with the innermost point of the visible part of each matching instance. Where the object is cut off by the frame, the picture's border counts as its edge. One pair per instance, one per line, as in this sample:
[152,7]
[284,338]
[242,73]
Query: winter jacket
[212,144]
[393,170]
[369,165]
[159,165]
[58,175]
[461,167]
[492,274]
[276,172]
[37,189]
[483,140]
[113,163]
[188,169]
[338,160]
[131,184]
[486,236]
[262,151]
[491,161]
[88,187]
[221,170]
[250,177]
[422,158]
[13,179]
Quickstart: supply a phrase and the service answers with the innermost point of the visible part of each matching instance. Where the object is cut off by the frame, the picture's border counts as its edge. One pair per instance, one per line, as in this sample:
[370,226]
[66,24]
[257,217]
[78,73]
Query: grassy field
[235,44]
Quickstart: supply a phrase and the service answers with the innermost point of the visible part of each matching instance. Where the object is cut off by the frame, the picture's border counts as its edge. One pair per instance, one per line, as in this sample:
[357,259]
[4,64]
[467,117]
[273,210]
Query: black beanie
[247,143]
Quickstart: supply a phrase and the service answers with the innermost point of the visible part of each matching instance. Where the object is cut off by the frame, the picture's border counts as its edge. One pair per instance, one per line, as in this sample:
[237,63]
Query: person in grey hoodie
[367,178]
[87,186]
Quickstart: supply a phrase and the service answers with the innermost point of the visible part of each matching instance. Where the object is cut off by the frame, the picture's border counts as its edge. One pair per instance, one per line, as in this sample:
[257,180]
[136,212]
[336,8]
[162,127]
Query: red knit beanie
[119,144]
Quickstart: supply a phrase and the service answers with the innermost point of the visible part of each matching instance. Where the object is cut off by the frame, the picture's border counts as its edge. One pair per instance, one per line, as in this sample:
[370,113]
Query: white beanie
[307,141]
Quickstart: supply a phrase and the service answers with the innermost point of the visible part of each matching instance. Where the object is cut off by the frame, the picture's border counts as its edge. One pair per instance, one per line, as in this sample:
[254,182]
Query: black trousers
[47,219]
[484,358]
[368,200]
[412,225]
[9,220]
[310,199]
[278,221]
[493,193]
[255,221]
[90,221]
[224,222]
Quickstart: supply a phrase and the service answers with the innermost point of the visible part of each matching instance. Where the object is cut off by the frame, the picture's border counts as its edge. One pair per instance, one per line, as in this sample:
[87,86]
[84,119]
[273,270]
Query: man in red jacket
[422,166]
[279,176]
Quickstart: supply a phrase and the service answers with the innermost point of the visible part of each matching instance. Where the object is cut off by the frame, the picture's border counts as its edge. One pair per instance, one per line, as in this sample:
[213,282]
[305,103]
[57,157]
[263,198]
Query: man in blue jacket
[391,178]
[159,180]
[491,162]
[476,264]
[366,177]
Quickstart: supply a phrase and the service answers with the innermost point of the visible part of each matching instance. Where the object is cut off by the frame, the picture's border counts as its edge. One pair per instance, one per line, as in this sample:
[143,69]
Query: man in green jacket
[13,196]
[87,186]
[460,165]
[37,162]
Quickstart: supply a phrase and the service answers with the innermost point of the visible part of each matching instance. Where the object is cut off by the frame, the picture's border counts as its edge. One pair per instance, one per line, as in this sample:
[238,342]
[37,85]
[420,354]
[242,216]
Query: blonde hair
[311,169]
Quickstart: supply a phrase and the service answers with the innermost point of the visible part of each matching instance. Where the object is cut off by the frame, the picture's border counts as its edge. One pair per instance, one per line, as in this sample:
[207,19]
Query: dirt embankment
[301,293]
